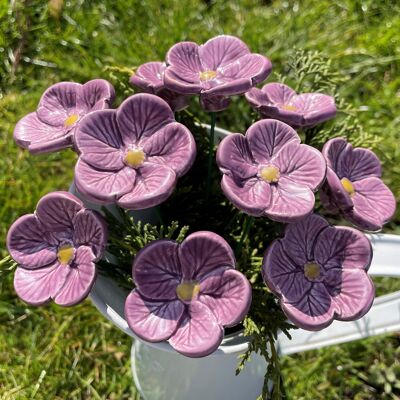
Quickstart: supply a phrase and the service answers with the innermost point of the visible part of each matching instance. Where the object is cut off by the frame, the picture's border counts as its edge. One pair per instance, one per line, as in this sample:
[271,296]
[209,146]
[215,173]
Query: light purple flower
[56,249]
[186,293]
[52,126]
[220,68]
[134,155]
[354,187]
[319,273]
[150,78]
[278,101]
[269,173]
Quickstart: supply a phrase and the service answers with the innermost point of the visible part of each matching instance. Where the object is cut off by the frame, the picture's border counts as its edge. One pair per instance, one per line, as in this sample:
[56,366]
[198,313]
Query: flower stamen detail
[70,120]
[348,186]
[188,290]
[312,271]
[134,158]
[288,107]
[207,75]
[270,174]
[65,254]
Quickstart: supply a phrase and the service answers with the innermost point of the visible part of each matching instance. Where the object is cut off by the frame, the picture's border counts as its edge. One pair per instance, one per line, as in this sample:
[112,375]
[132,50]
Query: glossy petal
[173,146]
[202,253]
[252,196]
[214,103]
[58,102]
[99,142]
[103,187]
[227,294]
[140,116]
[267,137]
[153,321]
[96,94]
[39,137]
[199,333]
[28,244]
[154,184]
[37,287]
[156,270]
[80,279]
[339,197]
[301,164]
[278,93]
[149,76]
[90,230]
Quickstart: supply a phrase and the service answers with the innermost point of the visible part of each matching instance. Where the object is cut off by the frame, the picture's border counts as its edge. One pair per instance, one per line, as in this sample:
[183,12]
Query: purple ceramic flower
[319,273]
[52,126]
[269,173]
[56,249]
[276,100]
[354,186]
[132,155]
[186,293]
[220,68]
[150,78]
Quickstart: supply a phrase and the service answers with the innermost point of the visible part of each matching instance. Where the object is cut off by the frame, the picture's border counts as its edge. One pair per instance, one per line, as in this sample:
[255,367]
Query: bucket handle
[383,317]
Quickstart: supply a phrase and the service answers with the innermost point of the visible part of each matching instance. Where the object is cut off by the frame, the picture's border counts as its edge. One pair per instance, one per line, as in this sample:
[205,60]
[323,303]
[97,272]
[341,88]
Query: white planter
[162,374]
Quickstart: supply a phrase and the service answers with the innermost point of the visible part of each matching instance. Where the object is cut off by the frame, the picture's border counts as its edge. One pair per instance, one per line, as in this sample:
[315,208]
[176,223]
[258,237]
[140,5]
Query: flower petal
[90,230]
[374,204]
[80,279]
[342,247]
[97,94]
[214,103]
[278,93]
[58,102]
[199,333]
[149,76]
[221,51]
[103,187]
[202,253]
[252,196]
[227,294]
[28,244]
[153,321]
[283,273]
[140,116]
[99,142]
[173,146]
[301,164]
[267,137]
[154,184]
[156,270]
[234,157]
[56,211]
[39,286]
[336,192]
[38,137]
[290,202]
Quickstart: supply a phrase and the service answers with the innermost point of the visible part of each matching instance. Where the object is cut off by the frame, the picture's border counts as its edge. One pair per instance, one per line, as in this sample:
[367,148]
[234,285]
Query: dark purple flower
[220,68]
[134,155]
[278,101]
[56,249]
[319,273]
[269,173]
[150,78]
[354,187]
[186,293]
[52,126]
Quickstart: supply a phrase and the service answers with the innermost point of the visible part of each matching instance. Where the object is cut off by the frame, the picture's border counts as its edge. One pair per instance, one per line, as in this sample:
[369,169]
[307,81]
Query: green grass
[74,353]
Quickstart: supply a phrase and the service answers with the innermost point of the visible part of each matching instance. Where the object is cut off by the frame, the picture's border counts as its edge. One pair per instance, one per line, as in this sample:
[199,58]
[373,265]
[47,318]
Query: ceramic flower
[150,78]
[186,293]
[319,272]
[267,172]
[354,186]
[56,249]
[278,101]
[62,106]
[220,68]
[132,156]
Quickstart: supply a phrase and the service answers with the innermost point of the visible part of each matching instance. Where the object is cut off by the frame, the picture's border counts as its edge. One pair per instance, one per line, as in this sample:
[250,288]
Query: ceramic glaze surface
[61,108]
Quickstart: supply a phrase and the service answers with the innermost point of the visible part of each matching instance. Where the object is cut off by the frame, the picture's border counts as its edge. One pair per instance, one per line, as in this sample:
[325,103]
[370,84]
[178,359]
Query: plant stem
[248,221]
[211,151]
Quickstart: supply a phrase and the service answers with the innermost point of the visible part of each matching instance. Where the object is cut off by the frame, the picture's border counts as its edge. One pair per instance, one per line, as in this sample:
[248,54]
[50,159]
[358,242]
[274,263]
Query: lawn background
[56,353]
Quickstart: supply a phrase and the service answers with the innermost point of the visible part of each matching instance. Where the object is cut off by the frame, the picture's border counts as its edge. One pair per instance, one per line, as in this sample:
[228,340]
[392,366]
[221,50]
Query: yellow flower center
[65,254]
[71,119]
[188,291]
[288,107]
[348,186]
[312,271]
[270,174]
[207,75]
[134,158]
